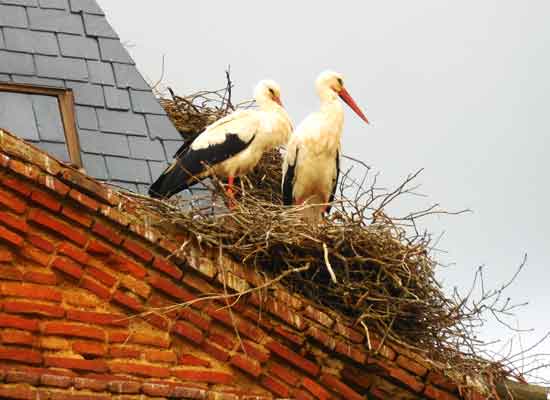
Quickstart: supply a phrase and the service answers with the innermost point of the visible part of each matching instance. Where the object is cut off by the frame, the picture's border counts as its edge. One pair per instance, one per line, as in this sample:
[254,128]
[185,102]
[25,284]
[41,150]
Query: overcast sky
[458,88]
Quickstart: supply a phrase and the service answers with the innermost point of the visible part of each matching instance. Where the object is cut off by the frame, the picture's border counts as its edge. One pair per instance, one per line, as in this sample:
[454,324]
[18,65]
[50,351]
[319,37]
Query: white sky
[458,88]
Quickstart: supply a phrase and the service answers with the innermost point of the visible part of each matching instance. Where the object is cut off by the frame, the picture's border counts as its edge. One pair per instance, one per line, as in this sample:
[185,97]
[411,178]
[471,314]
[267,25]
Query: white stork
[231,146]
[312,161]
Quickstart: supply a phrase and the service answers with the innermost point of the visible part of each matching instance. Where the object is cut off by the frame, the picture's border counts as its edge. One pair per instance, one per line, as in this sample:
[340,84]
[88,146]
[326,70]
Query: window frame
[65,99]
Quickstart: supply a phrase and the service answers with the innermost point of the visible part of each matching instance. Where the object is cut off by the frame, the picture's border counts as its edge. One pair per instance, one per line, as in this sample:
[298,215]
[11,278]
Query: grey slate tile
[86,118]
[88,6]
[2,43]
[157,168]
[113,51]
[58,150]
[127,169]
[116,99]
[96,25]
[25,3]
[103,143]
[5,78]
[48,118]
[17,63]
[145,148]
[55,21]
[132,187]
[145,102]
[34,80]
[17,115]
[171,147]
[30,41]
[95,166]
[127,76]
[56,4]
[78,46]
[13,16]
[121,122]
[86,94]
[161,127]
[62,68]
[143,188]
[101,72]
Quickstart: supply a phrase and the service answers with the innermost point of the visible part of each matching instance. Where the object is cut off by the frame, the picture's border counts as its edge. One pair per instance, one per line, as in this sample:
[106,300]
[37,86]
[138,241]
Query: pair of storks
[233,146]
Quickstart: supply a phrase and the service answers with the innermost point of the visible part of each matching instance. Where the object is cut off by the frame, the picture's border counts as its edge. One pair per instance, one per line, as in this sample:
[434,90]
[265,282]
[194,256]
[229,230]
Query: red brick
[26,307]
[332,382]
[163,356]
[124,386]
[406,378]
[89,348]
[4,160]
[46,278]
[319,316]
[275,386]
[196,318]
[46,199]
[21,355]
[138,250]
[253,350]
[119,336]
[322,336]
[348,333]
[189,359]
[441,381]
[136,286]
[27,375]
[19,224]
[170,288]
[8,336]
[167,267]
[17,392]
[216,351]
[128,301]
[125,352]
[19,185]
[77,330]
[33,254]
[98,318]
[10,236]
[355,352]
[116,216]
[13,321]
[54,184]
[76,363]
[286,314]
[295,359]
[107,233]
[95,385]
[68,266]
[62,228]
[73,252]
[127,266]
[246,364]
[380,348]
[411,366]
[188,331]
[244,327]
[10,273]
[315,389]
[77,216]
[31,291]
[156,389]
[194,375]
[12,202]
[102,276]
[290,377]
[158,321]
[437,394]
[224,340]
[198,283]
[21,168]
[59,381]
[96,288]
[145,338]
[98,248]
[86,201]
[41,243]
[302,395]
[6,256]
[146,370]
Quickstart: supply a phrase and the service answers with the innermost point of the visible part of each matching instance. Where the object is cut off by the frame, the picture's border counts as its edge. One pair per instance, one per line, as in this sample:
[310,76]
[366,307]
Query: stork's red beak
[277,100]
[344,95]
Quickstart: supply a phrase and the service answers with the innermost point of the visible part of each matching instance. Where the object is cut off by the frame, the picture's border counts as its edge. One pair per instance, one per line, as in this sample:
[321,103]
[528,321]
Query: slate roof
[125,136]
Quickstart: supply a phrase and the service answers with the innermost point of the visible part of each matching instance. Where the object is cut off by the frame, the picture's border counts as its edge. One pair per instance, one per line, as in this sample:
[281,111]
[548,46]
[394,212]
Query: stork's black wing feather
[181,173]
[288,182]
[333,193]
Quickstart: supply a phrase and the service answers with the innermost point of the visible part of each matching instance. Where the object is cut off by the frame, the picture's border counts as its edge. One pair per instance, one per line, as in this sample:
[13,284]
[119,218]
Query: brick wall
[81,286]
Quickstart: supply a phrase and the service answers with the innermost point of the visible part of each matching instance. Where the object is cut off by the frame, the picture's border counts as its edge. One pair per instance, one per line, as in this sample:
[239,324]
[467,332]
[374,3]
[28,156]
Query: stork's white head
[267,92]
[330,84]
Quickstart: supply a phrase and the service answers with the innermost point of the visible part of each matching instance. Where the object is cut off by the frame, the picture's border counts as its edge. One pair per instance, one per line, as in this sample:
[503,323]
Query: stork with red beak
[312,161]
[231,146]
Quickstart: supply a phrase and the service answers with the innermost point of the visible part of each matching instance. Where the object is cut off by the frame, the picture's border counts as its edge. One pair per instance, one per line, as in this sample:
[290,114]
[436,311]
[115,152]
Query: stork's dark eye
[340,81]
[272,91]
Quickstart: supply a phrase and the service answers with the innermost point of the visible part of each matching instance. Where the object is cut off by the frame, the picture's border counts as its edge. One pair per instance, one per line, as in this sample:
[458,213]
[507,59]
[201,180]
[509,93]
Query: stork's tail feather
[170,182]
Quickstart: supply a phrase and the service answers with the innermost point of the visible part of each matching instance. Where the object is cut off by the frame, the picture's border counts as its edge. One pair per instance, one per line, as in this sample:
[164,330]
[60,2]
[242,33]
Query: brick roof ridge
[291,320]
